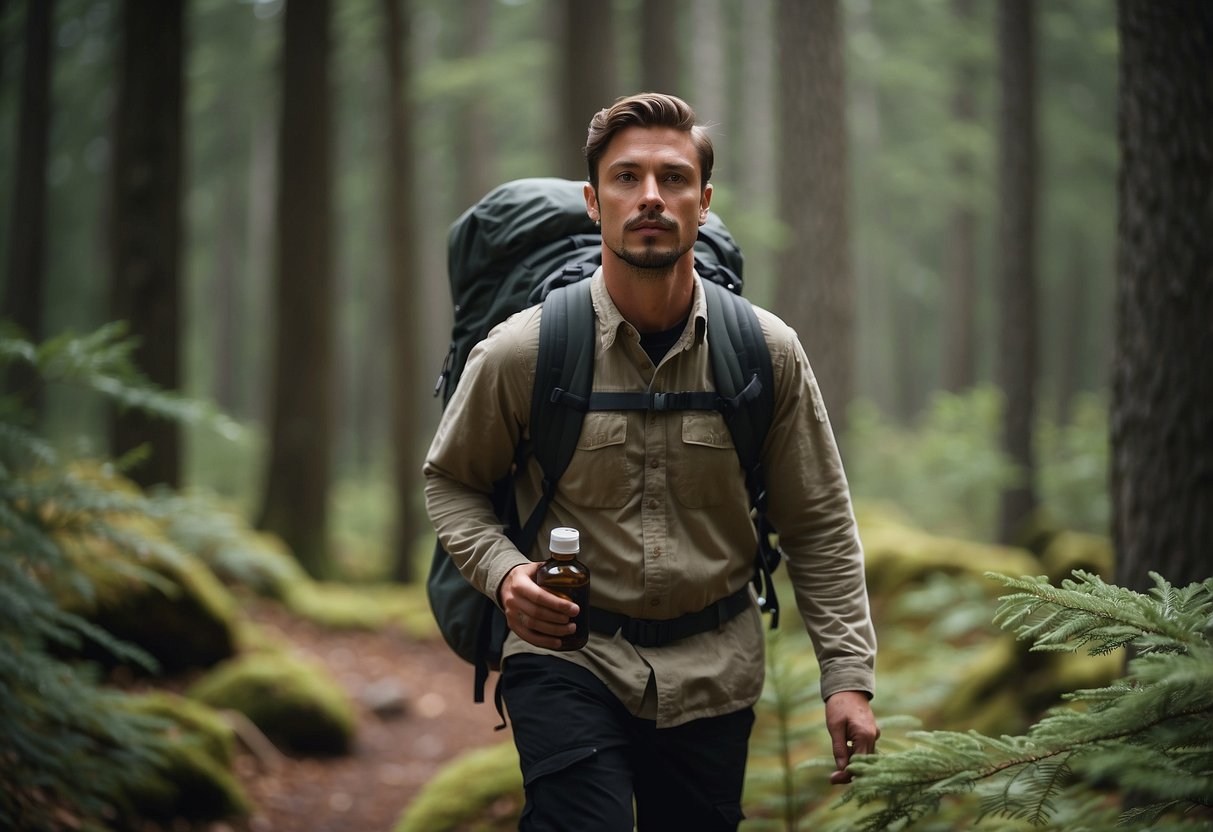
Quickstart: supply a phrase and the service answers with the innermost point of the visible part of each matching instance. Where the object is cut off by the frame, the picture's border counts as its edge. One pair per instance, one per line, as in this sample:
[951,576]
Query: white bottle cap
[565,541]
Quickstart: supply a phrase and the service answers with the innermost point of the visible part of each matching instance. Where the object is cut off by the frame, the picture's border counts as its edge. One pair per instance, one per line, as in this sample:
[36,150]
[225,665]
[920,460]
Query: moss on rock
[160,599]
[364,606]
[194,781]
[467,788]
[294,702]
[897,554]
[1069,550]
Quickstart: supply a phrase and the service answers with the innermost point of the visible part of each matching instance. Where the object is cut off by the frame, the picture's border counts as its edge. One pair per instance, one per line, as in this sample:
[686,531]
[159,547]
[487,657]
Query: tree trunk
[751,155]
[147,219]
[1162,387]
[960,311]
[475,147]
[228,310]
[26,267]
[259,262]
[816,292]
[1016,360]
[404,281]
[301,421]
[587,77]
[1075,311]
[660,39]
[707,84]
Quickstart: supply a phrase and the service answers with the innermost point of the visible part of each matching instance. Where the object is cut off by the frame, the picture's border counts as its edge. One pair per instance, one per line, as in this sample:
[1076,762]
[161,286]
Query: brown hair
[646,109]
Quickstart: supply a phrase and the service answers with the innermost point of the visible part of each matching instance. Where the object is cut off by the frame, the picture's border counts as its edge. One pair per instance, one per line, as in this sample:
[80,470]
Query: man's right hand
[537,616]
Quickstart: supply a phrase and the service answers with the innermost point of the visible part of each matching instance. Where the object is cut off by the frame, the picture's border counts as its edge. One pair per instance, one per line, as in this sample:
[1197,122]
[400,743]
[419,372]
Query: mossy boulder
[292,701]
[480,783]
[364,606]
[238,555]
[194,781]
[158,598]
[1069,550]
[897,554]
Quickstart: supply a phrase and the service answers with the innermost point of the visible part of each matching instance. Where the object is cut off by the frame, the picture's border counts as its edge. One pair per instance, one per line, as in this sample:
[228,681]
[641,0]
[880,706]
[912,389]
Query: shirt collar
[611,321]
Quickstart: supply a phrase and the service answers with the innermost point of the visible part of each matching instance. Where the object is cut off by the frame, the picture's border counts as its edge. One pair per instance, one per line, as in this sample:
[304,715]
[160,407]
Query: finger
[842,755]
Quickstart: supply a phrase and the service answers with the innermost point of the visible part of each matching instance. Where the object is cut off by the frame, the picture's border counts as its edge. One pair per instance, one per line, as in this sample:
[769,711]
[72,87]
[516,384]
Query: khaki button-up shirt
[661,504]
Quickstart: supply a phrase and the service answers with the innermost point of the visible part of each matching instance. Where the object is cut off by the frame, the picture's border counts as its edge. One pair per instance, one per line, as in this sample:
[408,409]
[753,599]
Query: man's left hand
[852,728]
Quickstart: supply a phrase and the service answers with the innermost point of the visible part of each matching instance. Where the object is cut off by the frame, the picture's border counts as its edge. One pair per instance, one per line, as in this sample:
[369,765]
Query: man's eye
[626,177]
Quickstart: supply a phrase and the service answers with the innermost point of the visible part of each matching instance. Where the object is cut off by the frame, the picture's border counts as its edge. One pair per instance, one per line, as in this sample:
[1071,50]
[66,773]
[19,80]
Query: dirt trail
[395,754]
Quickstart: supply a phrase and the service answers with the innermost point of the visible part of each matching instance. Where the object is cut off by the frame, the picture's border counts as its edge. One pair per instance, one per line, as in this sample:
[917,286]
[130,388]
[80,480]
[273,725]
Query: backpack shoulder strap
[741,368]
[565,362]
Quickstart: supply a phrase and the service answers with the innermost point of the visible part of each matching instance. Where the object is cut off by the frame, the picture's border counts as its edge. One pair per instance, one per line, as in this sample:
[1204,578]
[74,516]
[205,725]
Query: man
[661,504]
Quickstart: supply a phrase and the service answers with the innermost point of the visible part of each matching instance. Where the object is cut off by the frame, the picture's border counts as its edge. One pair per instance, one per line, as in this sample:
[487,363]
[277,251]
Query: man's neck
[650,300]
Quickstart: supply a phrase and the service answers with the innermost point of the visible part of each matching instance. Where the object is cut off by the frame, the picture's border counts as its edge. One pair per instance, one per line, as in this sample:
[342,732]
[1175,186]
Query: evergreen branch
[1149,732]
[1089,611]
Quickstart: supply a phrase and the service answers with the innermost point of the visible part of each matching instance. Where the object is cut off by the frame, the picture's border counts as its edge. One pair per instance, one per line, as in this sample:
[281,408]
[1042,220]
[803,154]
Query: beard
[649,258]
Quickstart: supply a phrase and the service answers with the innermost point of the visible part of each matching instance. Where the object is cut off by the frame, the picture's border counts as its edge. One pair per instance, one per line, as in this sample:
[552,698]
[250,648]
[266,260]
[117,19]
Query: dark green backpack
[530,241]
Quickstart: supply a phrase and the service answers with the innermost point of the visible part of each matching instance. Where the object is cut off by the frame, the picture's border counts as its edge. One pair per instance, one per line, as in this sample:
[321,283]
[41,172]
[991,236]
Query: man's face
[650,200]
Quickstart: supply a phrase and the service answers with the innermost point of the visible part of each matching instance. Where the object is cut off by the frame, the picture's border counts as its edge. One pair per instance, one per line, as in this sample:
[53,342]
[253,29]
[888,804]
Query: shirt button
[656,463]
[654,602]
[656,551]
[652,504]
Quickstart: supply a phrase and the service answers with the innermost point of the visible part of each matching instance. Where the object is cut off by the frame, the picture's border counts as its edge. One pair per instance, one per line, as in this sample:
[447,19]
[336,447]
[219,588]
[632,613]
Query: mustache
[651,218]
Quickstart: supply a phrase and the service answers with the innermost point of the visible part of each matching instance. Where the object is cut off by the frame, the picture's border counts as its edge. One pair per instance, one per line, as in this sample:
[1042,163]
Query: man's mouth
[651,224]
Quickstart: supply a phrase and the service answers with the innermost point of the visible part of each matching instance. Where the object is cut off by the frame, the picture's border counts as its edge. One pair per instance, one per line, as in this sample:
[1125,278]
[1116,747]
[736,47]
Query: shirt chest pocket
[598,475]
[704,467]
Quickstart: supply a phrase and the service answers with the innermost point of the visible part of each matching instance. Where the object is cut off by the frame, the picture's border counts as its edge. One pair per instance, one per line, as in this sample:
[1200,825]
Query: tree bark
[147,220]
[475,147]
[26,267]
[660,40]
[960,312]
[816,292]
[404,279]
[1162,387]
[303,387]
[587,78]
[1075,311]
[1017,350]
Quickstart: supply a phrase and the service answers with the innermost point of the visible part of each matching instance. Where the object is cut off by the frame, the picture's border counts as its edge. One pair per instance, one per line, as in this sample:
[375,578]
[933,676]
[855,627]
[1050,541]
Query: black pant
[584,757]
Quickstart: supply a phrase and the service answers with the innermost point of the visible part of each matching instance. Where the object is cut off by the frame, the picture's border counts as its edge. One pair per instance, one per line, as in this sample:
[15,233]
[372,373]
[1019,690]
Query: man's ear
[705,200]
[591,202]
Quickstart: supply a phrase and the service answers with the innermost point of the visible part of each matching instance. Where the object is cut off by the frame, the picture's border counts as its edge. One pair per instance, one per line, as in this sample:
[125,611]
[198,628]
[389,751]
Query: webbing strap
[657,400]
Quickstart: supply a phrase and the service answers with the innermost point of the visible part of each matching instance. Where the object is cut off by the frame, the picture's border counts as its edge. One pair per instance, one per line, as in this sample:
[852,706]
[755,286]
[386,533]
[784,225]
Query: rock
[897,554]
[387,698]
[195,779]
[294,702]
[481,781]
[159,599]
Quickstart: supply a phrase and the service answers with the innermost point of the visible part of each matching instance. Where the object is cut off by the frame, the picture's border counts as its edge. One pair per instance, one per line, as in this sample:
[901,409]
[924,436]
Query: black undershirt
[657,344]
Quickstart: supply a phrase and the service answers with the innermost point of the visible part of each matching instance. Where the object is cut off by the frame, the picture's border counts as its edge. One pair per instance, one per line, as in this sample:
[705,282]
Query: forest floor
[396,750]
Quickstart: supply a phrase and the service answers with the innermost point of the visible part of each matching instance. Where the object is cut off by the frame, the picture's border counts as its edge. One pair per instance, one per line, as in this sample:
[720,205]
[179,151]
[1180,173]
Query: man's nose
[650,194]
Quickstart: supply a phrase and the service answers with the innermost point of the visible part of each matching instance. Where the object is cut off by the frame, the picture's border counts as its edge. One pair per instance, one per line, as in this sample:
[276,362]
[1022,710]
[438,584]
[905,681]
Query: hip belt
[648,632]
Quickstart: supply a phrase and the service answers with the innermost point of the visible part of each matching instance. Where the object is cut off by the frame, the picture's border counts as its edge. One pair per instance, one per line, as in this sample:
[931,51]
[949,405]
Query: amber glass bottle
[568,577]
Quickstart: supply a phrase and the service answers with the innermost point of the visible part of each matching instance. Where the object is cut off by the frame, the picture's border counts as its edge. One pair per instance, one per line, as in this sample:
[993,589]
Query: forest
[225,301]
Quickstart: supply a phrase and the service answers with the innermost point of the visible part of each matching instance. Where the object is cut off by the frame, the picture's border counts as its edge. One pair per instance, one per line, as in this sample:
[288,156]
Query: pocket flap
[600,430]
[706,429]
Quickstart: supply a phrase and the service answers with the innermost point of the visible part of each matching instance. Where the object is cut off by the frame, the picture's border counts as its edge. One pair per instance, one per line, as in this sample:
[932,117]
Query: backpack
[530,241]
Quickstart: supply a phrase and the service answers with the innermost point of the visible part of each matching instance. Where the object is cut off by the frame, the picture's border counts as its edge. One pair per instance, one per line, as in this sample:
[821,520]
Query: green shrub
[72,749]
